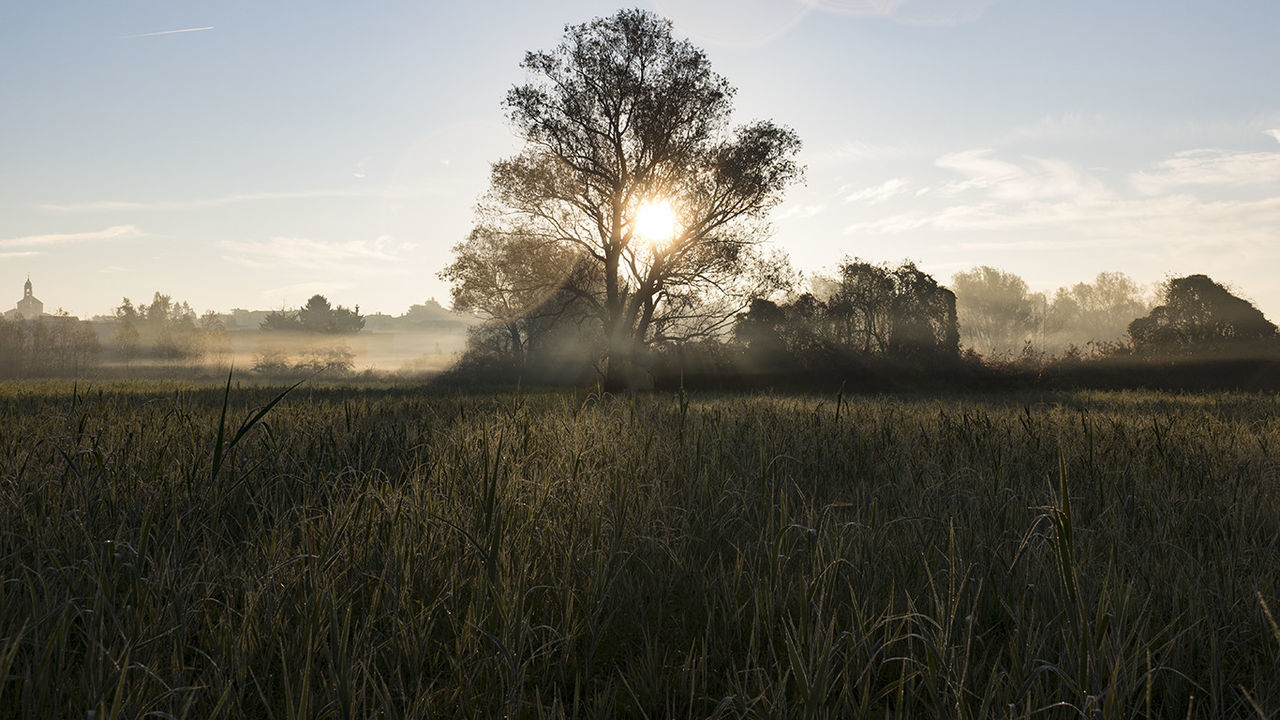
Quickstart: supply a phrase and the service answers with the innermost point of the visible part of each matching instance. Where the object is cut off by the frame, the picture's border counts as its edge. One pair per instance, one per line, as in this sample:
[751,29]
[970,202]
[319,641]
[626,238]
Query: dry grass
[402,553]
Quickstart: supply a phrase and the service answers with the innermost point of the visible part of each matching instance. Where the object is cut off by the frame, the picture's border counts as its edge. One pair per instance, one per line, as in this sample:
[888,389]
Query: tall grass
[406,554]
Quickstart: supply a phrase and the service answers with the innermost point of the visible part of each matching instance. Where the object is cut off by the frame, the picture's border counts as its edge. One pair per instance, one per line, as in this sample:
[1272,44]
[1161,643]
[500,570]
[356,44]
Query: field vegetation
[400,553]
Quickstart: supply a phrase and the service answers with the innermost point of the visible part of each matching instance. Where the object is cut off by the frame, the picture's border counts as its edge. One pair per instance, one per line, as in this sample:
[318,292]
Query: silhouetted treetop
[317,316]
[873,309]
[1200,316]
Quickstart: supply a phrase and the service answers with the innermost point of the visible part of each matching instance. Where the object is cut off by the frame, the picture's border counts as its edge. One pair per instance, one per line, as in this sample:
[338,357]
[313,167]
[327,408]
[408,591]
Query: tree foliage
[1201,317]
[317,316]
[162,329]
[619,114]
[872,309]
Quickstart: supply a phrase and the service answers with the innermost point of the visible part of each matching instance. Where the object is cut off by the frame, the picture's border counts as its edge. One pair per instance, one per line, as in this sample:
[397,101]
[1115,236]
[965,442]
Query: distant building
[28,307]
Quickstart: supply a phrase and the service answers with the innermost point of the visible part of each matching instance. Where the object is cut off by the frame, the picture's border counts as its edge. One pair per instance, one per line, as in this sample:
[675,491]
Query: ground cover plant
[410,552]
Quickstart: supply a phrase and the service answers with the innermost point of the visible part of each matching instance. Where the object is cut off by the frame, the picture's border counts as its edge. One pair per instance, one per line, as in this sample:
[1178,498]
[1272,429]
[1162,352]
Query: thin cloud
[1035,179]
[1209,167]
[117,232]
[395,192]
[23,253]
[167,32]
[316,255]
[877,194]
[1173,220]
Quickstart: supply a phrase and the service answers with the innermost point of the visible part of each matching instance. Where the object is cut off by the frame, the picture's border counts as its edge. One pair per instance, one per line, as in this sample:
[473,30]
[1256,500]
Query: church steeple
[26,288]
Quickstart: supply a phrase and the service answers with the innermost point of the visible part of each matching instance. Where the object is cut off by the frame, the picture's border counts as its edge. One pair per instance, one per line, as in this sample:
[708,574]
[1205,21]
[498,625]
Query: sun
[656,221]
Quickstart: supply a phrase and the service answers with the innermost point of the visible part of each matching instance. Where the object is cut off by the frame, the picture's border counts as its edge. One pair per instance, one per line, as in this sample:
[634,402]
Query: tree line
[169,332]
[51,345]
[622,117]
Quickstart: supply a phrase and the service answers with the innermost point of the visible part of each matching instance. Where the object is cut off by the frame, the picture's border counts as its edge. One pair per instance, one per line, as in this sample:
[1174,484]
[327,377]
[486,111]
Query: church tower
[28,307]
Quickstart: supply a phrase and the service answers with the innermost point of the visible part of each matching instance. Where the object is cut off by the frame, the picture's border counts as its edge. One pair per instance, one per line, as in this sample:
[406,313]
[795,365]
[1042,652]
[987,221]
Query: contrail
[167,32]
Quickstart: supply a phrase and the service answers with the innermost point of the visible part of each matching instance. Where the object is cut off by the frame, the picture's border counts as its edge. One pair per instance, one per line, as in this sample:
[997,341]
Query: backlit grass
[407,553]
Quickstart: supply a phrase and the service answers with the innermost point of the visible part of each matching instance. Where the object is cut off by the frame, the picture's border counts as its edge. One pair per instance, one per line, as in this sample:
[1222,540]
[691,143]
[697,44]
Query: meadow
[409,552]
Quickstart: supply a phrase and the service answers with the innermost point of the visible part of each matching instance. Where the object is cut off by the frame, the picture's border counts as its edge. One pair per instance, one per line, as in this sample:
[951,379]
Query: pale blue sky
[300,147]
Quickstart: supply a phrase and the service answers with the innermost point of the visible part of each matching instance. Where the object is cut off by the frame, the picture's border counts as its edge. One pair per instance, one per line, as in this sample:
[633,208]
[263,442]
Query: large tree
[622,121]
[1200,317]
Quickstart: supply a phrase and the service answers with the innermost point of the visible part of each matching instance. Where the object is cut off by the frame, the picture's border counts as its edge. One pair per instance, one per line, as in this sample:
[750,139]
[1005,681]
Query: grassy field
[409,553]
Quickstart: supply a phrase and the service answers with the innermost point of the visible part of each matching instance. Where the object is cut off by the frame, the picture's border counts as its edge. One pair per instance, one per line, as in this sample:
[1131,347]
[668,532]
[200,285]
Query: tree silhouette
[873,310]
[619,115]
[317,316]
[923,314]
[1201,317]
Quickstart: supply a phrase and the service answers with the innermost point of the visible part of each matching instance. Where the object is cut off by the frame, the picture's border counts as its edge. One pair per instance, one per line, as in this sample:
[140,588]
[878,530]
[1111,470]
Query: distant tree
[873,309]
[214,334]
[317,316]
[321,317]
[53,345]
[125,337]
[1098,312]
[161,329]
[923,314]
[1201,317]
[863,301]
[996,313]
[622,116]
[759,329]
[281,320]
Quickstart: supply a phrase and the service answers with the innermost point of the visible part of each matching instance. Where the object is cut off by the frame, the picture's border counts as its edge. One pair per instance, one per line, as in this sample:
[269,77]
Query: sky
[248,155]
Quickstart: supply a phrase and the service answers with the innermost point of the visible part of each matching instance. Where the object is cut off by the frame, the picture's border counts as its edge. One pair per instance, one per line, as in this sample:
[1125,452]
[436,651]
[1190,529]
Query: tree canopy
[1200,316]
[621,116]
[317,316]
[872,309]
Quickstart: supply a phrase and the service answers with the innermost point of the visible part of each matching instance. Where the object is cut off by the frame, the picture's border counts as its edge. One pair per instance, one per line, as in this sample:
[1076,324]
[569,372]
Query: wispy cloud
[851,152]
[1033,179]
[1209,167]
[393,192]
[23,253]
[1176,220]
[316,255]
[116,232]
[167,32]
[877,194]
[117,205]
